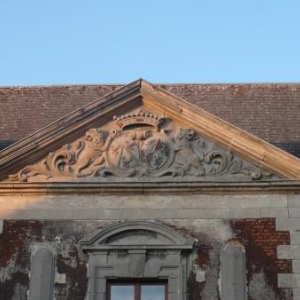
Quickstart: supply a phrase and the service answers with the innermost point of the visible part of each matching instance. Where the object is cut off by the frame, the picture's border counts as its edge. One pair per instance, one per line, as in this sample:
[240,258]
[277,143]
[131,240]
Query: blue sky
[192,41]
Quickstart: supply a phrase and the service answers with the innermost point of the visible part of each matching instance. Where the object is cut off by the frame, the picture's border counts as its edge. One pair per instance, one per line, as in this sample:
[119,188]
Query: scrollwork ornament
[141,145]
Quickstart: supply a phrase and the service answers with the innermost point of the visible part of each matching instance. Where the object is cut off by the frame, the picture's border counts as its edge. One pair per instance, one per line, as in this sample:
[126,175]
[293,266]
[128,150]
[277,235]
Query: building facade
[142,195]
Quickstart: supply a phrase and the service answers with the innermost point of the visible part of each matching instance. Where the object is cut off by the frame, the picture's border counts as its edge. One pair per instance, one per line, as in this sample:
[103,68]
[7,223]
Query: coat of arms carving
[143,145]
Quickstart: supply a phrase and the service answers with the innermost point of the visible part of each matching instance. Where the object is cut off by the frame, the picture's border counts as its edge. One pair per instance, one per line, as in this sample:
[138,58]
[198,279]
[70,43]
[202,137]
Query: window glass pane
[152,292]
[122,292]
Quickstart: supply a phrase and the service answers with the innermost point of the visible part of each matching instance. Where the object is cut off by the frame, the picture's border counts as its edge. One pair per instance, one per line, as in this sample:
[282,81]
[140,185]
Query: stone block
[293,200]
[173,285]
[46,214]
[137,264]
[283,224]
[102,272]
[172,259]
[274,212]
[289,281]
[296,294]
[295,237]
[153,266]
[65,202]
[288,252]
[296,266]
[15,202]
[294,212]
[90,214]
[9,213]
[98,296]
[100,285]
[173,296]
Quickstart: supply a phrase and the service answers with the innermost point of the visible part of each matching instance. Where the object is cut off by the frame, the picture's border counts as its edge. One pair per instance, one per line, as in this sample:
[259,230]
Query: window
[137,290]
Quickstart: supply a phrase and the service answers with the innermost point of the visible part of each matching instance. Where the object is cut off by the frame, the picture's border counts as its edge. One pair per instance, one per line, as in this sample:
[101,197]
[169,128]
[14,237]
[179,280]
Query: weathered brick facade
[19,237]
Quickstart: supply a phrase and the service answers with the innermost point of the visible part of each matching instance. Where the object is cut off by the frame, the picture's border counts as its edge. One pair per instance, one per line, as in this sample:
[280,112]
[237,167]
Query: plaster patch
[200,274]
[60,278]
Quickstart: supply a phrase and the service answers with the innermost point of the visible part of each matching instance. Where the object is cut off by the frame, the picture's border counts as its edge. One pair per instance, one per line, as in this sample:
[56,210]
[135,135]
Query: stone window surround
[135,250]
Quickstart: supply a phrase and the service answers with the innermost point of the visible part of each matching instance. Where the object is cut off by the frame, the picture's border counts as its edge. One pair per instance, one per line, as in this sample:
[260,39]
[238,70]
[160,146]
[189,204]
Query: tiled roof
[269,111]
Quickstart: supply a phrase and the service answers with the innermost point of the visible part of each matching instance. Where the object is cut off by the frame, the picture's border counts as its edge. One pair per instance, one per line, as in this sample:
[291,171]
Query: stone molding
[138,250]
[165,238]
[134,188]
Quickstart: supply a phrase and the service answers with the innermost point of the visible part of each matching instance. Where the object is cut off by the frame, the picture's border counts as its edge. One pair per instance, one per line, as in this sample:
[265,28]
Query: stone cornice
[135,188]
[223,133]
[67,128]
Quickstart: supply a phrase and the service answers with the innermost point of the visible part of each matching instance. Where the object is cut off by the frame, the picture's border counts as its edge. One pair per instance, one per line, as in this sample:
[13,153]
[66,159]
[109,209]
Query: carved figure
[91,152]
[187,160]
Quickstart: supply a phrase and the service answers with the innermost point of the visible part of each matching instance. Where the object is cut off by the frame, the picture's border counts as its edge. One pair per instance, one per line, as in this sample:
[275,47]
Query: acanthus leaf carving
[140,145]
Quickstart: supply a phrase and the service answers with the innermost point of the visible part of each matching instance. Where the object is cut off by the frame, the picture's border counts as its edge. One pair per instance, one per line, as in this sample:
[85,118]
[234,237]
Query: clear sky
[45,42]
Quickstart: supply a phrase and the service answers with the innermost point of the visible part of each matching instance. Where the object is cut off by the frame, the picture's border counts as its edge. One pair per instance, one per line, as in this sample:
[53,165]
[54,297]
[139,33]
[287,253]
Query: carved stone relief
[142,145]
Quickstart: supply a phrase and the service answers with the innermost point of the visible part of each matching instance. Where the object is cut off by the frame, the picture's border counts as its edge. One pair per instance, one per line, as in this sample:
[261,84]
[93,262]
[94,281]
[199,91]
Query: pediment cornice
[152,123]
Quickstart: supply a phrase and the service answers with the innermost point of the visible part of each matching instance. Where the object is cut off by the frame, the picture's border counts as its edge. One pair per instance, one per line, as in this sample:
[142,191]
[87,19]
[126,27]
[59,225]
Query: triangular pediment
[143,134]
